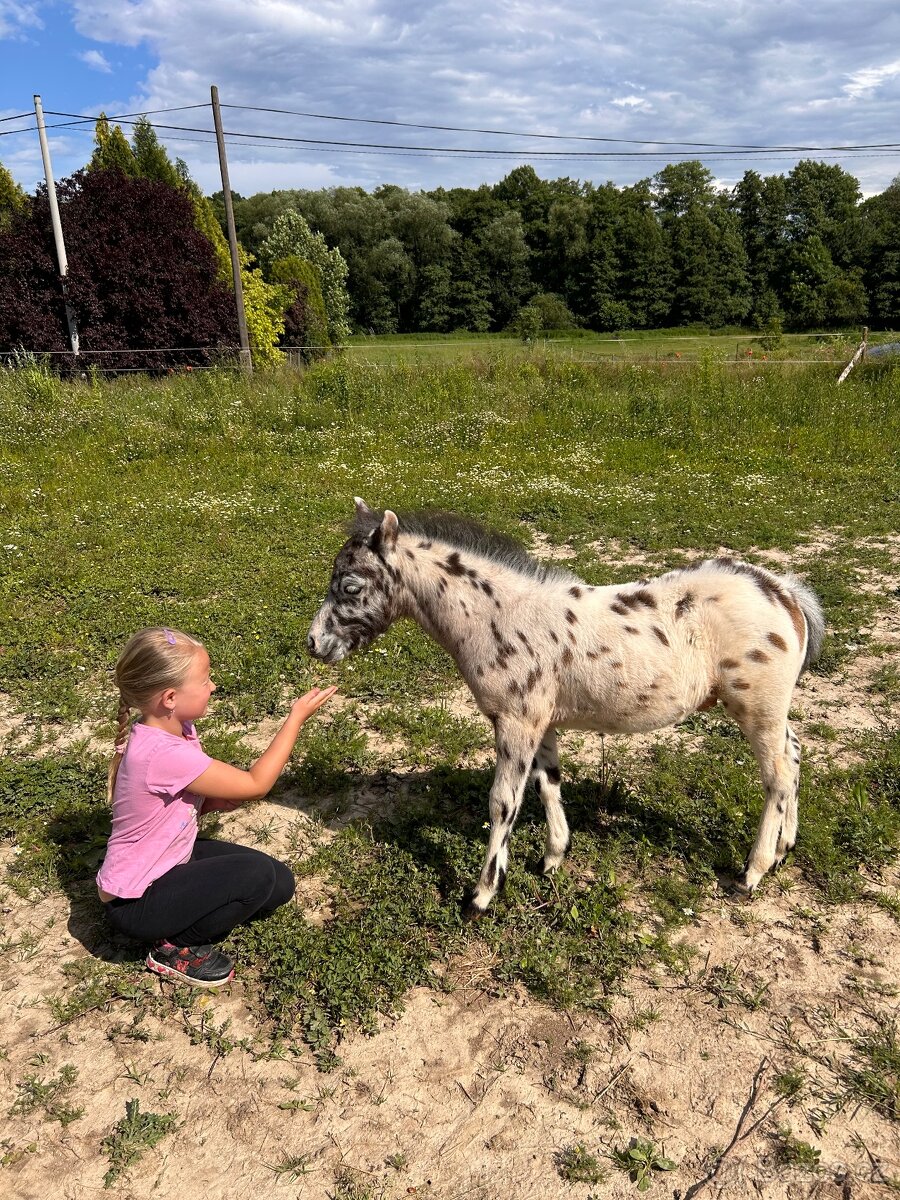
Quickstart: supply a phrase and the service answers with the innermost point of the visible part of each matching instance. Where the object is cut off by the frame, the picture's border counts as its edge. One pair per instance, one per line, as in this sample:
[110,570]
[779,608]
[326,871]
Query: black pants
[201,901]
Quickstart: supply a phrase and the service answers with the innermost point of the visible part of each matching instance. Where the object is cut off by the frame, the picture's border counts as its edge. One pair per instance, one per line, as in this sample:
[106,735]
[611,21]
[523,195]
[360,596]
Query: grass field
[677,347]
[215,504]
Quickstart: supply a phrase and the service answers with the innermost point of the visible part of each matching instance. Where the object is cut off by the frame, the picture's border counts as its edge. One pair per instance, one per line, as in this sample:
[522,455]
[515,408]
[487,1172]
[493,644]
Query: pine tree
[150,156]
[112,151]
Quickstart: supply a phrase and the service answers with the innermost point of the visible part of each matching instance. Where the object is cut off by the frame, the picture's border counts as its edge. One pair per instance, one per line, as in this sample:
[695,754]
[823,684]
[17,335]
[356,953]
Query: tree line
[801,250]
[149,265]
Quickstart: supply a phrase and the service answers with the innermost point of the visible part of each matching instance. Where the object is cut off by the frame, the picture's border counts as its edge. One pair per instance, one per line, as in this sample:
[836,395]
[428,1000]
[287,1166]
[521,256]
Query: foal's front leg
[516,746]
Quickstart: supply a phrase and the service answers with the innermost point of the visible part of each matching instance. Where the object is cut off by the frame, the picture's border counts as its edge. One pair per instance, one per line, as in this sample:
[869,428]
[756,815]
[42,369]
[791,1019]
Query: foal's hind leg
[779,765]
[789,832]
[545,777]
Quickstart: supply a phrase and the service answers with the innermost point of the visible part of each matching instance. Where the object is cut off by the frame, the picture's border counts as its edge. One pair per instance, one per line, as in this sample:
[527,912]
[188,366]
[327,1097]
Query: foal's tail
[815,618]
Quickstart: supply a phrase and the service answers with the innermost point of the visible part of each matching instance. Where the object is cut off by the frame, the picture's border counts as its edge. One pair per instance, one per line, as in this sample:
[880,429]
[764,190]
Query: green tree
[553,310]
[810,271]
[305,319]
[435,303]
[150,157]
[292,236]
[826,235]
[708,256]
[647,275]
[504,255]
[12,198]
[111,149]
[881,260]
[469,305]
[527,323]
[762,211]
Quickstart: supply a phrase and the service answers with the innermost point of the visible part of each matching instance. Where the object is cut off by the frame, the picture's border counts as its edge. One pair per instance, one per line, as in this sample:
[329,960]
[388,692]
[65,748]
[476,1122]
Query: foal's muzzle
[326,648]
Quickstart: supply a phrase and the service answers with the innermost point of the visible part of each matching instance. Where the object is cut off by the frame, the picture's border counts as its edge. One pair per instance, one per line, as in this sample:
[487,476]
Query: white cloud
[96,60]
[632,102]
[863,83]
[16,16]
[771,72]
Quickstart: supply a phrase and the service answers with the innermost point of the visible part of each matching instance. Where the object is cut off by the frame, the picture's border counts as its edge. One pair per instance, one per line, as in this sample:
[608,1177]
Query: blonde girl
[159,882]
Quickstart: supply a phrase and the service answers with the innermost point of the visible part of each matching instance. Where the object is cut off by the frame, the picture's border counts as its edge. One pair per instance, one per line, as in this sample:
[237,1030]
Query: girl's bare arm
[225,786]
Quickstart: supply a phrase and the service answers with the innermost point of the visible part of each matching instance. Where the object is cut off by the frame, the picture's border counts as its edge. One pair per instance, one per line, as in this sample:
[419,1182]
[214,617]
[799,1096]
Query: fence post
[246,360]
[56,223]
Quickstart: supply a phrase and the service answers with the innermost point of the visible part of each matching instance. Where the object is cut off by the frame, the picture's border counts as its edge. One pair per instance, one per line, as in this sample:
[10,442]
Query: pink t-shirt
[154,819]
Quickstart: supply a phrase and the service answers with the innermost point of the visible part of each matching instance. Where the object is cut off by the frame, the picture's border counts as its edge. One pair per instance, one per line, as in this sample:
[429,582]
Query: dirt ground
[472,1095]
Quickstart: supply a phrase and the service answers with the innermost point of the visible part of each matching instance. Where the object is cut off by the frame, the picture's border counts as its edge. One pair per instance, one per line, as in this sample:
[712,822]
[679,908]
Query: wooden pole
[246,360]
[860,353]
[56,223]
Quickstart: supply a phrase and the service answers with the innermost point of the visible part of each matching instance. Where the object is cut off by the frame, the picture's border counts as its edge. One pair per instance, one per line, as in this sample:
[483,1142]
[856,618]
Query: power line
[556,136]
[723,147]
[82,120]
[482,150]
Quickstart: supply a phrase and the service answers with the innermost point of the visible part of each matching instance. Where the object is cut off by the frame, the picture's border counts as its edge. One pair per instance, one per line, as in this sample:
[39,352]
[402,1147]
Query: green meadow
[215,503]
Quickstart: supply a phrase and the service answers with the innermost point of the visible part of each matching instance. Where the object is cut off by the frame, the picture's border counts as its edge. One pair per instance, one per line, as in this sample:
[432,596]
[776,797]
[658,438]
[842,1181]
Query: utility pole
[246,360]
[57,227]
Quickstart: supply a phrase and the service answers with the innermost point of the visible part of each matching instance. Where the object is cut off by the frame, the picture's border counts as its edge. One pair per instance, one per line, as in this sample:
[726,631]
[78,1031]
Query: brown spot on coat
[759,656]
[777,640]
[684,605]
[729,664]
[576,592]
[453,565]
[741,684]
[631,629]
[796,615]
[711,701]
[619,609]
[646,598]
[567,656]
[661,635]
[570,617]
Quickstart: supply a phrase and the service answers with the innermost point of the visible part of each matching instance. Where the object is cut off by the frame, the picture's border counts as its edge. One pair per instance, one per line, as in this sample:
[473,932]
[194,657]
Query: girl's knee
[285,884]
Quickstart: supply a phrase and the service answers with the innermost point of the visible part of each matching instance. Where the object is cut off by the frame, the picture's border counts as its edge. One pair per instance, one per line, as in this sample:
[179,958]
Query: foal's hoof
[548,866]
[471,911]
[739,890]
[782,858]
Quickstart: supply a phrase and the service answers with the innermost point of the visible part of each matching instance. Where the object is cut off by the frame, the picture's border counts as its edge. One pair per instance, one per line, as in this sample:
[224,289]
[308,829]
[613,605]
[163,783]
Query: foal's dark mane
[463,533]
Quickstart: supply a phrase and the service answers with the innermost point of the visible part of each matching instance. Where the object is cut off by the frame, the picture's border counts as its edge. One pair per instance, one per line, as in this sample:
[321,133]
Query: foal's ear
[383,538]
[362,509]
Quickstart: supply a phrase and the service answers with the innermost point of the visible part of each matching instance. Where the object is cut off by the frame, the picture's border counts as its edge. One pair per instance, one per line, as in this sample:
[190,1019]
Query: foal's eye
[352,589]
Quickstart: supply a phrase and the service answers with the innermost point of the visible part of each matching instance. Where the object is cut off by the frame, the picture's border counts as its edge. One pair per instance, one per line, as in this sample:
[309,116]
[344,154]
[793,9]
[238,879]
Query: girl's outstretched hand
[307,705]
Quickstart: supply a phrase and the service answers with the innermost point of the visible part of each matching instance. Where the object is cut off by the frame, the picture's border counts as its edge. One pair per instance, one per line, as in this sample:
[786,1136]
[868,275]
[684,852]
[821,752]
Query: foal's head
[361,601]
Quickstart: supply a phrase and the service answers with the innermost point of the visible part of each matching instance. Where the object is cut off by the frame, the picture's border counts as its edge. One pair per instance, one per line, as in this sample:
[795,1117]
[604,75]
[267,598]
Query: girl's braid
[123,718]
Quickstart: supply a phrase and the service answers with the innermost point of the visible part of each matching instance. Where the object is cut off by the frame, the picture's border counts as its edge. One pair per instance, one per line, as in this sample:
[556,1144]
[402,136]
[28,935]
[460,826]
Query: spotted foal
[540,649]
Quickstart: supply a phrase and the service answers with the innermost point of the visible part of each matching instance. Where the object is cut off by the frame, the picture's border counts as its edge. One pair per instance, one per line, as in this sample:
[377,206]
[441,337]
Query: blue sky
[772,72]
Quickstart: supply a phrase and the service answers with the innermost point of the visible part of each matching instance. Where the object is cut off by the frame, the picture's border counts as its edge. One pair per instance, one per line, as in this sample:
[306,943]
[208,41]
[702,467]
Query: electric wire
[79,118]
[580,137]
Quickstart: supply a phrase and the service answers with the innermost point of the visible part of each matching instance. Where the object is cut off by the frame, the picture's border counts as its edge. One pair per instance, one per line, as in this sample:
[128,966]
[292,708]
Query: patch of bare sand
[473,1094]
